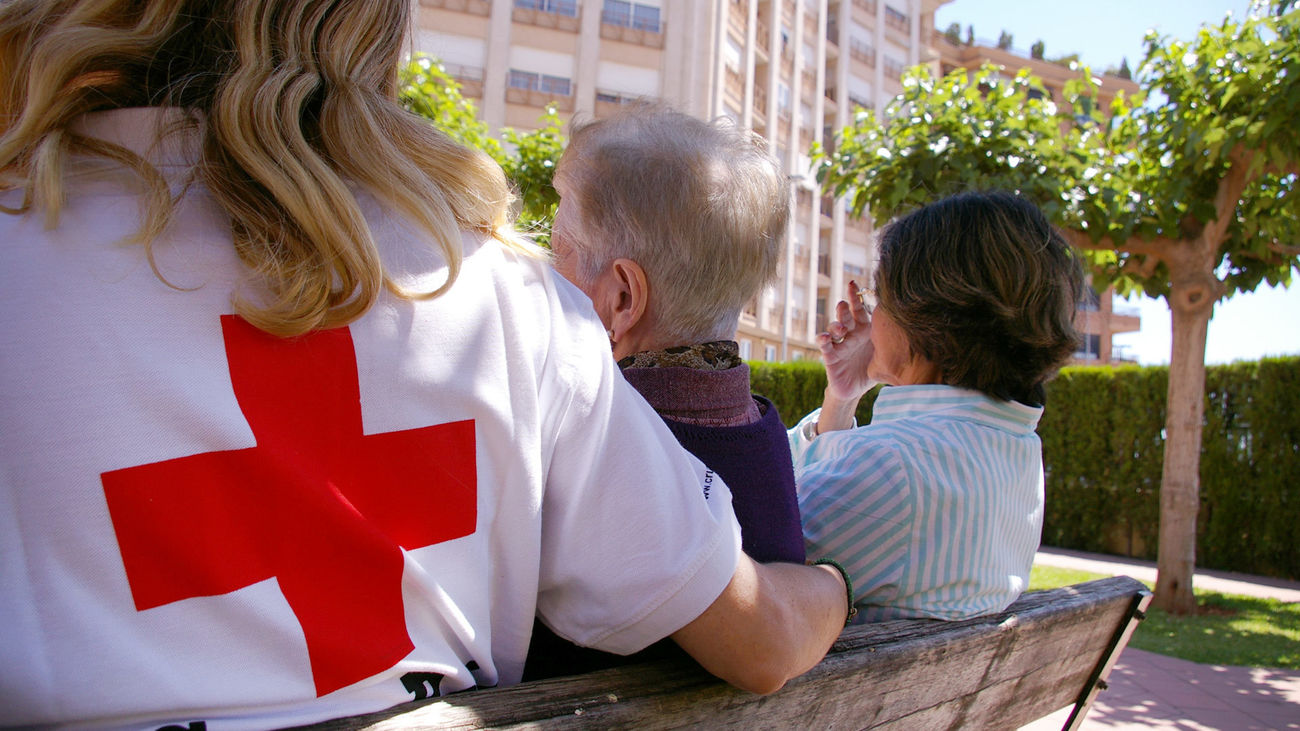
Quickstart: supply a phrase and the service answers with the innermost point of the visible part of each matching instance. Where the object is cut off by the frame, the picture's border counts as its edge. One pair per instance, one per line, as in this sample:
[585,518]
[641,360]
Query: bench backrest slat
[1000,671]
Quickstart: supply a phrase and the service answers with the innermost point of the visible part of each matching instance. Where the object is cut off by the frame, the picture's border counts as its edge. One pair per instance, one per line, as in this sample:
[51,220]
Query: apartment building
[791,70]
[1099,317]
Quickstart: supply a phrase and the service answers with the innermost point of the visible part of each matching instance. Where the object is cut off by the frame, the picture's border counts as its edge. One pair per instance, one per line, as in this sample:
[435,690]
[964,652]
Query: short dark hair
[986,289]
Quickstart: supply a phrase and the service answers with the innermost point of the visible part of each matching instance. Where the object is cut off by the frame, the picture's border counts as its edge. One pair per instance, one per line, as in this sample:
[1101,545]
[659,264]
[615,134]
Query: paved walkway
[1150,691]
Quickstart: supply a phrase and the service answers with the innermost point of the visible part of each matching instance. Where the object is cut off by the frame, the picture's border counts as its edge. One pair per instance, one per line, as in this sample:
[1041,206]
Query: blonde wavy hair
[295,100]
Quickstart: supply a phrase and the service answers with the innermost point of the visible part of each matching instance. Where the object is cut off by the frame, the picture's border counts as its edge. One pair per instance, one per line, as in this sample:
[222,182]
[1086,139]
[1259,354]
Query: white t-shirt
[199,522]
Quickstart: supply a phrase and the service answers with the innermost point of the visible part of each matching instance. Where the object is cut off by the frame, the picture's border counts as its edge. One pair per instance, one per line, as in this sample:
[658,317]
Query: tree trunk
[1191,302]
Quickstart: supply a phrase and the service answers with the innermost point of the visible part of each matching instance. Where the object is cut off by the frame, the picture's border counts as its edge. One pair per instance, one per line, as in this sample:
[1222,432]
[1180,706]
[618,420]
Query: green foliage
[425,87]
[953,33]
[1103,450]
[1232,91]
[531,169]
[959,133]
[1249,463]
[1103,447]
[797,388]
[1102,458]
[1228,630]
[528,158]
[1147,168]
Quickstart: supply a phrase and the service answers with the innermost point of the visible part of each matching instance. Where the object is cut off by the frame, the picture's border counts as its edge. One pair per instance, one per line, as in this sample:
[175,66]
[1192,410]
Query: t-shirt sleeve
[858,508]
[638,537]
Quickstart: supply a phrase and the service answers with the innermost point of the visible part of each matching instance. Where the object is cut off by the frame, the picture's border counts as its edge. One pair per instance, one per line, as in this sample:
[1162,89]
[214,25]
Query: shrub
[1103,450]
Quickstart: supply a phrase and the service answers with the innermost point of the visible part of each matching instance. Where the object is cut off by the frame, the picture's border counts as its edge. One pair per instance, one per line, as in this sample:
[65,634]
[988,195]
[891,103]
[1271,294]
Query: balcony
[470,79]
[473,7]
[636,36]
[539,90]
[865,6]
[608,103]
[862,53]
[632,23]
[735,84]
[557,14]
[539,99]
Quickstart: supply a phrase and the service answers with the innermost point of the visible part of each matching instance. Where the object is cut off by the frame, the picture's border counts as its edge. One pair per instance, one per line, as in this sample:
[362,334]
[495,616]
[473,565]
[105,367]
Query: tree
[970,35]
[1037,49]
[528,158]
[1190,196]
[1124,71]
[953,34]
[1004,41]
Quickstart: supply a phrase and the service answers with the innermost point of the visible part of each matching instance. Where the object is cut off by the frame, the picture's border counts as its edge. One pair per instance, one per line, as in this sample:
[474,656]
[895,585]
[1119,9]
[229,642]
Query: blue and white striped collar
[900,402]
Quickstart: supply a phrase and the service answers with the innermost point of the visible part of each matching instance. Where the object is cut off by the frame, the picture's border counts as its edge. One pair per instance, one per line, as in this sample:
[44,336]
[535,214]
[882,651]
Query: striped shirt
[935,508]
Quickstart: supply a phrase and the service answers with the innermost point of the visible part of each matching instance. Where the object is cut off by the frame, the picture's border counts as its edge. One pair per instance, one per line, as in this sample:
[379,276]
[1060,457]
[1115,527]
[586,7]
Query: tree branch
[1231,187]
[1283,249]
[1156,247]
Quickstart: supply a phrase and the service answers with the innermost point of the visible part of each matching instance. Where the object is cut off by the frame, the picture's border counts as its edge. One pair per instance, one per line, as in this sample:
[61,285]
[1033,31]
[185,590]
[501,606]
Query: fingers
[857,302]
[837,331]
[848,315]
[844,315]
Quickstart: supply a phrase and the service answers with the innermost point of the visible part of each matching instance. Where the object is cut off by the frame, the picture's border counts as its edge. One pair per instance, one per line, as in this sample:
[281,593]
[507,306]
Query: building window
[893,67]
[769,353]
[614,97]
[897,20]
[746,349]
[521,80]
[558,7]
[1090,348]
[863,51]
[557,85]
[1089,300]
[631,15]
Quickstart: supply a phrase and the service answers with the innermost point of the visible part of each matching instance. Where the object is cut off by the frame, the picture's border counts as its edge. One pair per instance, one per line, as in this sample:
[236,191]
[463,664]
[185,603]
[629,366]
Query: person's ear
[628,297]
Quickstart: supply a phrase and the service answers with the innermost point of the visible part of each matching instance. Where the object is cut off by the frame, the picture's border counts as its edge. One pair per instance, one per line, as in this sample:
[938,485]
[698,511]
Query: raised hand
[847,348]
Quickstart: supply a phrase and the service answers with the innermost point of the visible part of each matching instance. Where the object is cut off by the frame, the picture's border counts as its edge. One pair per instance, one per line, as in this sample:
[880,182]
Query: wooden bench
[1048,650]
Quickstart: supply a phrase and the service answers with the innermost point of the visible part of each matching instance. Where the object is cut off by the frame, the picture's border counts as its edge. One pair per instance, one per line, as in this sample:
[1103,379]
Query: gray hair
[701,207]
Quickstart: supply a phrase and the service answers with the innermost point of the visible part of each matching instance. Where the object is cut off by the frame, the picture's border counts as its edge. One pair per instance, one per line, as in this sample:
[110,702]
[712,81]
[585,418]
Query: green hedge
[1103,445]
[796,389]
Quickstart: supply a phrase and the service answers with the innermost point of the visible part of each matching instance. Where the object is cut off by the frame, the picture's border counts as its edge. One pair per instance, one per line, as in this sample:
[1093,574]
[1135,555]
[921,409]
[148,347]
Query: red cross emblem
[317,504]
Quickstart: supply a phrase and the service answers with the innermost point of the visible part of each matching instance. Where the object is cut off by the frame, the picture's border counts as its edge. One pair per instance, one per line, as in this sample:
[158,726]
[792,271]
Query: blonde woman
[294,427]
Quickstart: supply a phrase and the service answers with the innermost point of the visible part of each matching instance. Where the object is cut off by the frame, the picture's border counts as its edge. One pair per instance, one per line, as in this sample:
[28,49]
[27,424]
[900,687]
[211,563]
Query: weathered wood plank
[1000,671]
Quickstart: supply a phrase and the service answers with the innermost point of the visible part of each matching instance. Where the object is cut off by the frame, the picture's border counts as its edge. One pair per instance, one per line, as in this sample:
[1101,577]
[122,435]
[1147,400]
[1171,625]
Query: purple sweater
[740,436]
[737,435]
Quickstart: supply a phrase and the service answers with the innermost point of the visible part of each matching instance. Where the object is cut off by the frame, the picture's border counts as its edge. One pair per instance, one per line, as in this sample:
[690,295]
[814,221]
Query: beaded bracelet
[848,585]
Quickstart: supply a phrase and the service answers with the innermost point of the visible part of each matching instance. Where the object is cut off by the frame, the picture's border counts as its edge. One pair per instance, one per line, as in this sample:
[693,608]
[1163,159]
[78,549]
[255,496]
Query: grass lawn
[1229,629]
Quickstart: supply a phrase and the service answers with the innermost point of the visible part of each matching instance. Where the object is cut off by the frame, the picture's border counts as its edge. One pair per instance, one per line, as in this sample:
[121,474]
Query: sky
[1103,32]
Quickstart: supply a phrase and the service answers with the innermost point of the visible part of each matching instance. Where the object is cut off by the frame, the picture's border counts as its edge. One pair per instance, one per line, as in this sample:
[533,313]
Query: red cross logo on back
[317,504]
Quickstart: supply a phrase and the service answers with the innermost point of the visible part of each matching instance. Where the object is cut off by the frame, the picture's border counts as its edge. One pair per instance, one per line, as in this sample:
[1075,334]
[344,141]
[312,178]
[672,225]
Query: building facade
[791,70]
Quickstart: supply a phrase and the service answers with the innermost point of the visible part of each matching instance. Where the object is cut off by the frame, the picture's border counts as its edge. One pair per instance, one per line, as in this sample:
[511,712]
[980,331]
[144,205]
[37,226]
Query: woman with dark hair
[935,507]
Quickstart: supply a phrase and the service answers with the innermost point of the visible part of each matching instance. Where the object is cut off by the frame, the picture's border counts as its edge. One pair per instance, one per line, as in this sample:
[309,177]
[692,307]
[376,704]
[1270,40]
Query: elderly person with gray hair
[670,225]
